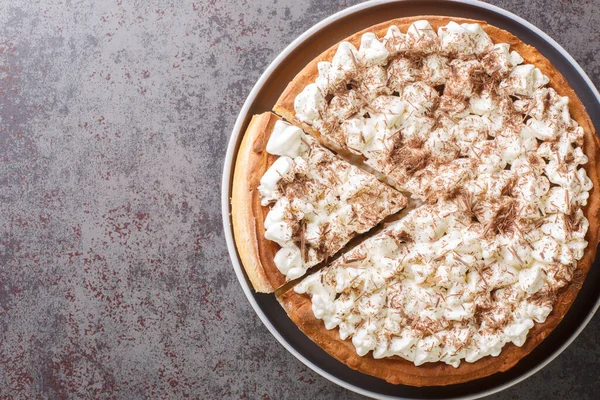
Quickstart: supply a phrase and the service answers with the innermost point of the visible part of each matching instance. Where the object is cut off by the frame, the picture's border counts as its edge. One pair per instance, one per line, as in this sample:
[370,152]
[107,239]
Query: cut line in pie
[500,157]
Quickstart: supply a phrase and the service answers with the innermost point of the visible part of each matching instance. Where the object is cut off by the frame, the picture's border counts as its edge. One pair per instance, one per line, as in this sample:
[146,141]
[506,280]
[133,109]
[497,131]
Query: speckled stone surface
[115,280]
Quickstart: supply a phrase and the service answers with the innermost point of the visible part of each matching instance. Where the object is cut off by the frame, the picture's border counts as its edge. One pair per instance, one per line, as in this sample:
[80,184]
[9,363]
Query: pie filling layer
[493,155]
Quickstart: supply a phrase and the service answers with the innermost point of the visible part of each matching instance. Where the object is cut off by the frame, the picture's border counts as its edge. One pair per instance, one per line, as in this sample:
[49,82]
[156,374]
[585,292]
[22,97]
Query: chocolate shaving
[515,254]
[400,237]
[504,219]
[303,249]
[509,186]
[334,175]
[459,259]
[572,222]
[415,142]
[411,160]
[470,207]
[354,259]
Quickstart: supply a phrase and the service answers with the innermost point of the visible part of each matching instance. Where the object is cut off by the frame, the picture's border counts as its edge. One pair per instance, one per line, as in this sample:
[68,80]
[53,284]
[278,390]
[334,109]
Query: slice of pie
[295,203]
[501,159]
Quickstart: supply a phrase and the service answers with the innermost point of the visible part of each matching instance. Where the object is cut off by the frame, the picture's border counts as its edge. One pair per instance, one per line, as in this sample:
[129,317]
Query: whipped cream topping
[463,39]
[318,201]
[464,126]
[438,77]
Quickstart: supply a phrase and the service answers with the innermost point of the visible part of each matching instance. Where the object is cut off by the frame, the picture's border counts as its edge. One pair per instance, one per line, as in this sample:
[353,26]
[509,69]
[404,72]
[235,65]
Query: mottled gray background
[114,274]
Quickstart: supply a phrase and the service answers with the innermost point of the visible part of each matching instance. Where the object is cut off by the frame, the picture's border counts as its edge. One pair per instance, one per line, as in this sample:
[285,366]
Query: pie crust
[256,252]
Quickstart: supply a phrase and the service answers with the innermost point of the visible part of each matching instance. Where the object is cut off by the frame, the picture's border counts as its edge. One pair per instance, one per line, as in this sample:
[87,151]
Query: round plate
[262,98]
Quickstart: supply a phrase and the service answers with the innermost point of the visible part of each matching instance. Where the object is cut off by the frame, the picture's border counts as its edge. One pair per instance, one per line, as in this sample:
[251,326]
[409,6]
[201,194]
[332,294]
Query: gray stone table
[114,276]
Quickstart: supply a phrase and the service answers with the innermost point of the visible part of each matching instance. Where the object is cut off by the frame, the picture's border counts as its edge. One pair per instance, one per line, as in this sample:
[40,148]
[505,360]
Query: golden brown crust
[395,369]
[256,252]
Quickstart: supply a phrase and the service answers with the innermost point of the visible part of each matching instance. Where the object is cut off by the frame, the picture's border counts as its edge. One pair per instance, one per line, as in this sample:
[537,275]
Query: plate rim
[229,163]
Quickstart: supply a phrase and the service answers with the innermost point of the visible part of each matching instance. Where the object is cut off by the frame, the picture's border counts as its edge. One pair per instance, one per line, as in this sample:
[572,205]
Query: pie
[499,159]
